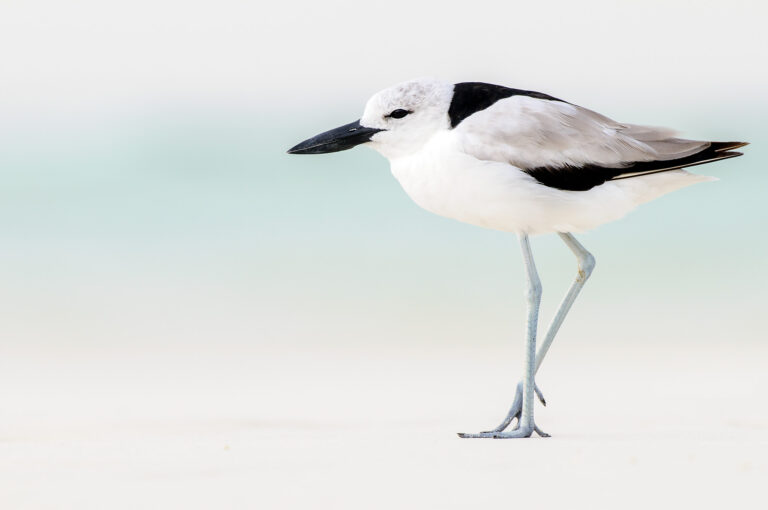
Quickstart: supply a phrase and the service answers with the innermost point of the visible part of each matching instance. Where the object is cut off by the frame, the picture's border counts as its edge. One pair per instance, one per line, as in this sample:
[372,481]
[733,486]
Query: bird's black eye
[399,113]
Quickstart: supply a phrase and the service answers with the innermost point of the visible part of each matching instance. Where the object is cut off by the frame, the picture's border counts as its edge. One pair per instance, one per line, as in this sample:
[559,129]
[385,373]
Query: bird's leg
[526,425]
[586,263]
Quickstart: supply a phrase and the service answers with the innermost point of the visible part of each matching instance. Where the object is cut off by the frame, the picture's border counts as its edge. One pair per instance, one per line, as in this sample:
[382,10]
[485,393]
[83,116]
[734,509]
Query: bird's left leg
[525,425]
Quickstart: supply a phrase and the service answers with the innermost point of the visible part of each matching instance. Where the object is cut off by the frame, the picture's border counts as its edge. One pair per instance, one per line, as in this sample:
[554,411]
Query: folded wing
[572,148]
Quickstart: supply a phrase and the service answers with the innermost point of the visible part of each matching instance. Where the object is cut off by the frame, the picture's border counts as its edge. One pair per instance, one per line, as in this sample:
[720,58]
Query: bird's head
[396,122]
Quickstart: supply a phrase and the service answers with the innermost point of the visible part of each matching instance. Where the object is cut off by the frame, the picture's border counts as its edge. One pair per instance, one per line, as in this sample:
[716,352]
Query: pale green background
[182,220]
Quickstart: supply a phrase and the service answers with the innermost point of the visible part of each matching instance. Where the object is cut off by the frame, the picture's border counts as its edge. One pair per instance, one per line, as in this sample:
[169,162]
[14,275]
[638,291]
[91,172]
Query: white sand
[347,427]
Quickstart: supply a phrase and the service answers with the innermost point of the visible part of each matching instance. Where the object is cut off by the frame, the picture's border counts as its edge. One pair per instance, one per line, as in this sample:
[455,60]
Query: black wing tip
[726,146]
[571,178]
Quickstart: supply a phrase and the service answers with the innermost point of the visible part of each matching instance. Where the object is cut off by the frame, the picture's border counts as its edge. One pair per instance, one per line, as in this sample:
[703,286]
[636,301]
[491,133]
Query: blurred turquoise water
[200,220]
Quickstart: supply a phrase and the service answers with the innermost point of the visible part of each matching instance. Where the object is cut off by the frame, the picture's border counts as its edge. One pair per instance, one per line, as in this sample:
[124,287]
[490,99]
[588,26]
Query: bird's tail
[715,151]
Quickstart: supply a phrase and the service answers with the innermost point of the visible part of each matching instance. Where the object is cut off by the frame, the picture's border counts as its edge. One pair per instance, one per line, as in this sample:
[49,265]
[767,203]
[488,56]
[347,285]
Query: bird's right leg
[526,425]
[586,263]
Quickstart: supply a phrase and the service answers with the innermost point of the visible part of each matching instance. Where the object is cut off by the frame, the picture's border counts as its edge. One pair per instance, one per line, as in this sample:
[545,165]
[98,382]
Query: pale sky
[98,55]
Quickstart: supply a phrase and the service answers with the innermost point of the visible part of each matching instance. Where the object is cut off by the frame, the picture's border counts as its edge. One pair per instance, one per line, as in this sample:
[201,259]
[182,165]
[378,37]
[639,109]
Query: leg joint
[534,290]
[586,265]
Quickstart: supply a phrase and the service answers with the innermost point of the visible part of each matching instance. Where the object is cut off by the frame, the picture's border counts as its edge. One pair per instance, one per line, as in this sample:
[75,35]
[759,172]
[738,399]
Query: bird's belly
[468,190]
[499,196]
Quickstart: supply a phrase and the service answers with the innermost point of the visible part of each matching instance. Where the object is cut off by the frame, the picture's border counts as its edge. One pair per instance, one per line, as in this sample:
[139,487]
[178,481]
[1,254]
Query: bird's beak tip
[335,140]
[305,147]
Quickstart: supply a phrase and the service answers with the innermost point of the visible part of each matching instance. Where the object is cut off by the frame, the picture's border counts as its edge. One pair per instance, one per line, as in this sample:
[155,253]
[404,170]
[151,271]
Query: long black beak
[335,140]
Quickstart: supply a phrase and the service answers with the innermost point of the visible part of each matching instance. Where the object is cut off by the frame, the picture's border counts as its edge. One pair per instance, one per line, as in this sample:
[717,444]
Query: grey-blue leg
[586,263]
[526,425]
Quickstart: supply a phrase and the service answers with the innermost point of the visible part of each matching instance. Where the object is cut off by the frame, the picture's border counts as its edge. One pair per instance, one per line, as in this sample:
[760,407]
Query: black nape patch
[472,97]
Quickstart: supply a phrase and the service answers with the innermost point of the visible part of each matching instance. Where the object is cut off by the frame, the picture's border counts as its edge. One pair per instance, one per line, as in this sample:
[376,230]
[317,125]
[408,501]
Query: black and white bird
[524,162]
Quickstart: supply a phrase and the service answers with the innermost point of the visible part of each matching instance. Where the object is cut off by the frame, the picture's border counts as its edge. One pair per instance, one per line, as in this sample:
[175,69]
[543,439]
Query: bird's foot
[516,432]
[514,413]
